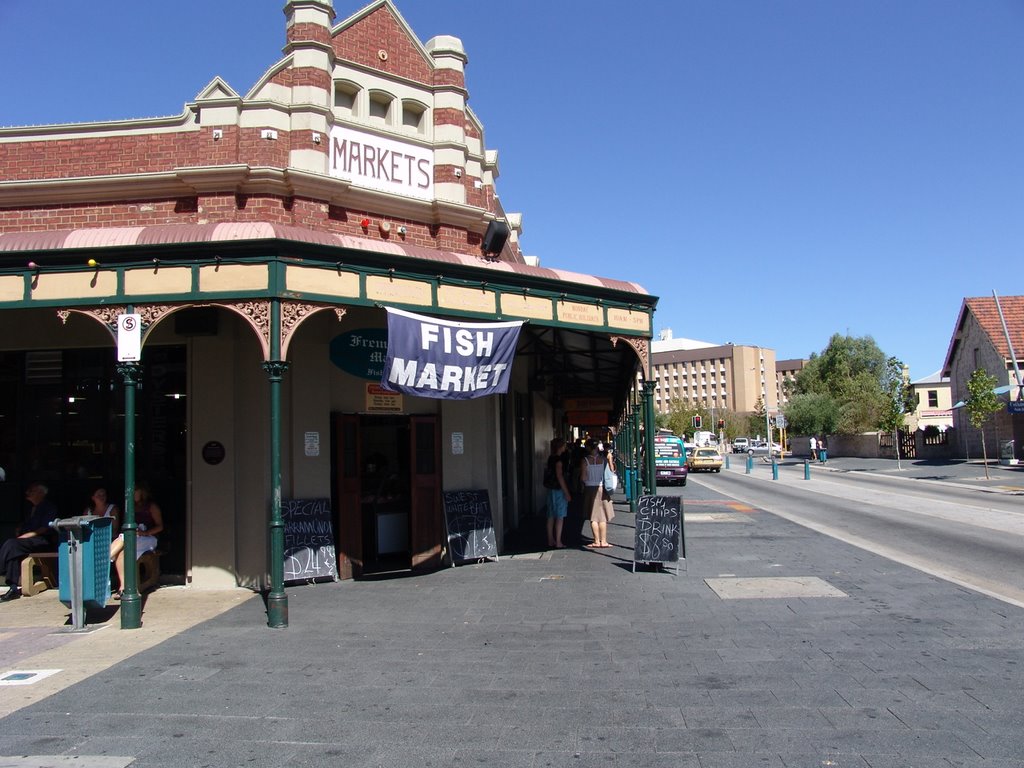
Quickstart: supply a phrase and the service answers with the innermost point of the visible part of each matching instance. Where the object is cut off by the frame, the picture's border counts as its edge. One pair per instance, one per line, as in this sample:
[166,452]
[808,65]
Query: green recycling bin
[83,559]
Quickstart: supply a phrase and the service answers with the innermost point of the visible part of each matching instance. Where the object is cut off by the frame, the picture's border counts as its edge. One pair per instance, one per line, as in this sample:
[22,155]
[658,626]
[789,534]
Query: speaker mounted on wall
[495,237]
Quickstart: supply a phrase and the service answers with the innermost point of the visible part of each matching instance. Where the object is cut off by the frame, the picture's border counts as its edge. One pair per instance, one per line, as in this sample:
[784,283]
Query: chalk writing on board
[467,516]
[659,530]
[308,540]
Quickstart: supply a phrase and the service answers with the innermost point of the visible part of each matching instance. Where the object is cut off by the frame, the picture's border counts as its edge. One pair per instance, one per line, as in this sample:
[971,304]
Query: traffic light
[721,423]
[696,422]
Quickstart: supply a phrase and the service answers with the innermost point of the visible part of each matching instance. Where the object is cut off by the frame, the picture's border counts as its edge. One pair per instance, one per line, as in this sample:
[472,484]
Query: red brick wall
[162,152]
[305,31]
[381,31]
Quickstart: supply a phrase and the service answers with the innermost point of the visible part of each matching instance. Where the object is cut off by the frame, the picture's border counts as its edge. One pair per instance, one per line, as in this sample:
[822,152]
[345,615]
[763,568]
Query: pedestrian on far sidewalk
[814,448]
[822,451]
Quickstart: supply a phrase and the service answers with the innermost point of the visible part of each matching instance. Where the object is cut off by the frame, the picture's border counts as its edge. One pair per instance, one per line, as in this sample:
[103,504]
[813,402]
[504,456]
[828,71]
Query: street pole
[131,601]
[277,599]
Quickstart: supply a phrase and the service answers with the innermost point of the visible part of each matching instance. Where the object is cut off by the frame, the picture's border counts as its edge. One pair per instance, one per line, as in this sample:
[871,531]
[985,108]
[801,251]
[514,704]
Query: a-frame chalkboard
[467,519]
[308,540]
[659,536]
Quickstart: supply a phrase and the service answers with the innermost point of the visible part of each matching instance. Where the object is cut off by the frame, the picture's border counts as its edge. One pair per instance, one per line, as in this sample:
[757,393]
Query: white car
[761,449]
[740,444]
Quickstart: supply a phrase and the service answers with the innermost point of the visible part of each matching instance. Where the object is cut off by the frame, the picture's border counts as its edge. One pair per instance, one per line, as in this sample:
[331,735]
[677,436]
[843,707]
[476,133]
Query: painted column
[131,601]
[277,600]
[649,430]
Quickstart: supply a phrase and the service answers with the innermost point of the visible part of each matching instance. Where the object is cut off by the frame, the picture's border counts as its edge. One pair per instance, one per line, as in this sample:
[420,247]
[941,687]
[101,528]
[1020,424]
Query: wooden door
[427,526]
[348,494]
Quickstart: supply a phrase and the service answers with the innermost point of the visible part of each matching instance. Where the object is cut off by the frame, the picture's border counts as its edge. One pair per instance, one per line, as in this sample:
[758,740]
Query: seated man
[35,535]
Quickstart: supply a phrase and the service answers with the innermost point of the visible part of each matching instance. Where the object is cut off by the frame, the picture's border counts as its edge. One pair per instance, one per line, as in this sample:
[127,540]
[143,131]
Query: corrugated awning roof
[171,234]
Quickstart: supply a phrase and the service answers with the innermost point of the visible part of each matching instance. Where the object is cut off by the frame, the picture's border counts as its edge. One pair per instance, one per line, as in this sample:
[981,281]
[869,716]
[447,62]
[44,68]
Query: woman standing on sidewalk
[556,481]
[597,502]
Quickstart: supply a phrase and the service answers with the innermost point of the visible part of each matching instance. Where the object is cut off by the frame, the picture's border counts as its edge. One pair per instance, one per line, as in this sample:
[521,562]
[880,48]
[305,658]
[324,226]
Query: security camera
[458,173]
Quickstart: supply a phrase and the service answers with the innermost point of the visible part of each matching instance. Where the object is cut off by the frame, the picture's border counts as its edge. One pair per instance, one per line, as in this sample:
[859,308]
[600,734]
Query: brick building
[979,341]
[723,377]
[260,236]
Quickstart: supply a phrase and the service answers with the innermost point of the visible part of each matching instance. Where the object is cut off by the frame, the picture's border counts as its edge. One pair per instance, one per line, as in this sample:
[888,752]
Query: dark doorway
[385,501]
[62,423]
[387,493]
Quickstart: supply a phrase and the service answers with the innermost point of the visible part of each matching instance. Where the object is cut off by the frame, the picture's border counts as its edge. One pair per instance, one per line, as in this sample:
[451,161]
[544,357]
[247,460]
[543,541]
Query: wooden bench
[149,570]
[46,562]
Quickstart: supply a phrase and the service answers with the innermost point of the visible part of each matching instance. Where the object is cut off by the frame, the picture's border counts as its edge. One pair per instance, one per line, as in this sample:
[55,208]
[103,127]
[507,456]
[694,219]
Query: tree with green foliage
[981,403]
[897,401]
[812,414]
[849,373]
[756,421]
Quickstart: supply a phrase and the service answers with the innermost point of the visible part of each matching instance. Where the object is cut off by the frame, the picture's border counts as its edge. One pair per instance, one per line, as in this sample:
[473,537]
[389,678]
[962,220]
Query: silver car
[760,448]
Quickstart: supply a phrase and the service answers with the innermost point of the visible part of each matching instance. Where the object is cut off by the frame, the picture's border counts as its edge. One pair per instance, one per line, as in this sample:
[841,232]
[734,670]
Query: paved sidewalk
[969,474]
[776,647]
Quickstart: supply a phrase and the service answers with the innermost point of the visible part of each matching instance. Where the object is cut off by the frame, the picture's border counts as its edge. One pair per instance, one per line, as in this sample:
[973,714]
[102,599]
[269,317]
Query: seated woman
[150,522]
[102,507]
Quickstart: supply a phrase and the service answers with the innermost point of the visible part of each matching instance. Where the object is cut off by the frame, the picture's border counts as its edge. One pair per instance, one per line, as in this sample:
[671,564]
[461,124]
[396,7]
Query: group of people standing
[577,490]
[37,534]
[819,452]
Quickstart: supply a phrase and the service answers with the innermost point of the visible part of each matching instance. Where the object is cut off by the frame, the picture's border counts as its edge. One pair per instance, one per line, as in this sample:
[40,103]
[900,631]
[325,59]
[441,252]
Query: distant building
[785,371]
[979,342]
[728,377]
[934,403]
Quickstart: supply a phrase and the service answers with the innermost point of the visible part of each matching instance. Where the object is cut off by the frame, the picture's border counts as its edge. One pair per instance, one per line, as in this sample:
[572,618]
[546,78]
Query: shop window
[346,99]
[380,107]
[414,116]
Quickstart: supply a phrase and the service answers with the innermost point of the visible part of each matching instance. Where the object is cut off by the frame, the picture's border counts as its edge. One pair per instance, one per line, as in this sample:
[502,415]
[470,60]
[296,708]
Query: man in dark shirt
[35,535]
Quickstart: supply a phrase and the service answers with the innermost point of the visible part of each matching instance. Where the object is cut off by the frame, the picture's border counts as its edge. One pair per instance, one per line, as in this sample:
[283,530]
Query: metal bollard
[750,463]
[775,470]
[727,461]
[807,469]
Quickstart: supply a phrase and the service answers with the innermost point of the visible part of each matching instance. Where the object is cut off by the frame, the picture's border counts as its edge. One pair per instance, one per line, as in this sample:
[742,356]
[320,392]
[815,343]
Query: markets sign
[448,360]
[374,162]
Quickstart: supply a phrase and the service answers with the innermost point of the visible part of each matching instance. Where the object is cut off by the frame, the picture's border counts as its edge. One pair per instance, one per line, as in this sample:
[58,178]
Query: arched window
[414,116]
[380,107]
[346,98]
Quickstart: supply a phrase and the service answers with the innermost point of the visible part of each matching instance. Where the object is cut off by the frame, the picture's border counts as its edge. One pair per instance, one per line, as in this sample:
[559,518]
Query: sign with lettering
[308,540]
[467,518]
[129,337]
[448,360]
[658,536]
[588,404]
[372,161]
[360,352]
[380,400]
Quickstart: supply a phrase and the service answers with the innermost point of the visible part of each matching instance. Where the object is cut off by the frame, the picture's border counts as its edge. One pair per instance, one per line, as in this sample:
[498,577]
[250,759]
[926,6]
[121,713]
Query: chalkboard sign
[308,540]
[467,518]
[659,530]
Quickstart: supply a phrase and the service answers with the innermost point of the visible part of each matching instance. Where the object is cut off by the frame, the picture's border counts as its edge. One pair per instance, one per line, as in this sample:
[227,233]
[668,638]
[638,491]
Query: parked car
[669,459]
[740,444]
[706,459]
[760,448]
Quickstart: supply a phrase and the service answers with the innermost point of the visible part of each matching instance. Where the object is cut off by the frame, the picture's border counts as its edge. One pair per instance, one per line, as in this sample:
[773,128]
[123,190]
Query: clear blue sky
[776,171]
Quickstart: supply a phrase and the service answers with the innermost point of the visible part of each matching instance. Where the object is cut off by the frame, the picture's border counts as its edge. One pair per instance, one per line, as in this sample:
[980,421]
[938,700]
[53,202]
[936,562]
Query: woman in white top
[597,502]
[101,507]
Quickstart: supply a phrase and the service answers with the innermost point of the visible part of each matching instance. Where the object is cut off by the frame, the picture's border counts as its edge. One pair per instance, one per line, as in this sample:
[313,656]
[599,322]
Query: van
[669,459]
[703,437]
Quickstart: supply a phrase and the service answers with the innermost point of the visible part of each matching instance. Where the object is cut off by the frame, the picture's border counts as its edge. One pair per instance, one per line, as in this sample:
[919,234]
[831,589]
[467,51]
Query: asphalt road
[962,534]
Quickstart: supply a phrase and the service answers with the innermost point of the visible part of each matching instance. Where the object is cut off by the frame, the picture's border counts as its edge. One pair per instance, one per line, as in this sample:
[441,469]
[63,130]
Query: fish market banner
[447,360]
